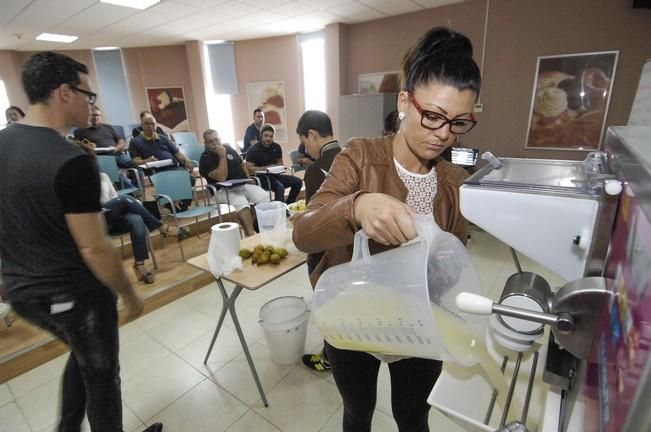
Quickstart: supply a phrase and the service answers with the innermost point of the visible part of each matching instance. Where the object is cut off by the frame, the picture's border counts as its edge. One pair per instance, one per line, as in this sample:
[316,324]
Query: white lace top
[422,190]
[421,187]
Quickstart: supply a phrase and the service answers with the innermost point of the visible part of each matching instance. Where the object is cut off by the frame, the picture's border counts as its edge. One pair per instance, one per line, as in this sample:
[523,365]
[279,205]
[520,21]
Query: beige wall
[518,32]
[165,66]
[270,59]
[11,63]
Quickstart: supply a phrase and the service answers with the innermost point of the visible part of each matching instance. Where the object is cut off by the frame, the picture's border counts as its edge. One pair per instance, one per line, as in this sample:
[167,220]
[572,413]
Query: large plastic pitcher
[272,222]
[400,301]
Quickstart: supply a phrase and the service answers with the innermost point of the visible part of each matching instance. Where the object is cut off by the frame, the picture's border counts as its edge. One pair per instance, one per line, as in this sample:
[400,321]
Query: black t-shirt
[262,156]
[39,255]
[210,161]
[103,135]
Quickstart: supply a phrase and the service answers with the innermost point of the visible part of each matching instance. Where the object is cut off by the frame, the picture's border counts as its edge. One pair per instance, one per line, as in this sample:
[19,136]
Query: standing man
[219,163]
[268,153]
[314,129]
[68,279]
[252,134]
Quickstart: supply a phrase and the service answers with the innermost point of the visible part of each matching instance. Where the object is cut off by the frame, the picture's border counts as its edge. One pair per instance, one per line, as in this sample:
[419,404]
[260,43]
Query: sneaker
[316,362]
[156,427]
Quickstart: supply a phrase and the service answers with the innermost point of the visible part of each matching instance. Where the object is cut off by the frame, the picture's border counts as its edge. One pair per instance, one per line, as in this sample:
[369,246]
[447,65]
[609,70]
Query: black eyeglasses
[432,120]
[92,97]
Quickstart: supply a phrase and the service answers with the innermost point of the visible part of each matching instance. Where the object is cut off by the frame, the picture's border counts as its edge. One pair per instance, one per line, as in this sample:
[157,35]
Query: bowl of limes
[296,207]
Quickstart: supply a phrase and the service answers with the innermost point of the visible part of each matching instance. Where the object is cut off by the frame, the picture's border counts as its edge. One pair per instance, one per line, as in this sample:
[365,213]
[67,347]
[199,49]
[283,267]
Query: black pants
[91,378]
[356,375]
[278,183]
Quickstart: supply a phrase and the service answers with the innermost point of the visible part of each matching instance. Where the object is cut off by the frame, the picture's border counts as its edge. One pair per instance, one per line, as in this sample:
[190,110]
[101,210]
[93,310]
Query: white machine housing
[546,209]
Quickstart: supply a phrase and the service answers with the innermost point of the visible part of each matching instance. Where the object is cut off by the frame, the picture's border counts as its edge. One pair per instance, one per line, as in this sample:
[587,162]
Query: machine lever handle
[480,305]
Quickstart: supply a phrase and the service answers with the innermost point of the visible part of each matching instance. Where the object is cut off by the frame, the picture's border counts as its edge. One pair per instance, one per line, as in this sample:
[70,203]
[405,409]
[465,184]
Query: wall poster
[167,104]
[270,97]
[570,100]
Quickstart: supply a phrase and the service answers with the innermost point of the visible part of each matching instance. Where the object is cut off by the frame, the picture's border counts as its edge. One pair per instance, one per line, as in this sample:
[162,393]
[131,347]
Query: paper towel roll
[224,248]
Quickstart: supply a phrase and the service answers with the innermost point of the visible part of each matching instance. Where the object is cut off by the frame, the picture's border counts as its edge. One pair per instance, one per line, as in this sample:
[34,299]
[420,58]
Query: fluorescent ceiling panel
[53,37]
[136,4]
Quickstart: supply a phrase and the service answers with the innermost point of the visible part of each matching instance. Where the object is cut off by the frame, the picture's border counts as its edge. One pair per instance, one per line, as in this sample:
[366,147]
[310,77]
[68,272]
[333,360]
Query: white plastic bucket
[284,321]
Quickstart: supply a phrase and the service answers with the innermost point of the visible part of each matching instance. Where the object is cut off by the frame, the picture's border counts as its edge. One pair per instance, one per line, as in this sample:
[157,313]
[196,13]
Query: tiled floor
[164,378]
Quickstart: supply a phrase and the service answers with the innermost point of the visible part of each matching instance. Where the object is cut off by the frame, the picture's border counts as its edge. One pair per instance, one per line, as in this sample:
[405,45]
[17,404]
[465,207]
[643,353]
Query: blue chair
[293,155]
[119,130]
[189,146]
[109,166]
[175,186]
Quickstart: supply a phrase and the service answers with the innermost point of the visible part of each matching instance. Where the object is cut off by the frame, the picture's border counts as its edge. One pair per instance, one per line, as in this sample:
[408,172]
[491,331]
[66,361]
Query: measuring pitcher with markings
[401,301]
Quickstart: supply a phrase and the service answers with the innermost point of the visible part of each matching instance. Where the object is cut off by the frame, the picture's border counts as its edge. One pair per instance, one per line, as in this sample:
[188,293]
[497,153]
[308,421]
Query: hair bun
[443,39]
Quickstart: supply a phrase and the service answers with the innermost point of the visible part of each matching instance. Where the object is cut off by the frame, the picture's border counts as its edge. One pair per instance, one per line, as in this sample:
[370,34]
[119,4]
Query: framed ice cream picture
[269,96]
[571,94]
[167,104]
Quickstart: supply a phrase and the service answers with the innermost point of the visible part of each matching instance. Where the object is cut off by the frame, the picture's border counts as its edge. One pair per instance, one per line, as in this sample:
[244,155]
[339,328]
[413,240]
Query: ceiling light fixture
[215,42]
[105,48]
[136,4]
[53,37]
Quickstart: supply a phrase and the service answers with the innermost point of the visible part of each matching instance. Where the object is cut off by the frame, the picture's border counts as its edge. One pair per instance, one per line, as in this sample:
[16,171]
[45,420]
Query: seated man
[138,130]
[252,134]
[268,153]
[105,136]
[219,163]
[150,146]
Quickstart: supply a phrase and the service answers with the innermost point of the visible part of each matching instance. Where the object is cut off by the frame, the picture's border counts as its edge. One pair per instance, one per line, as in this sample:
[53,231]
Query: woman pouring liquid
[377,185]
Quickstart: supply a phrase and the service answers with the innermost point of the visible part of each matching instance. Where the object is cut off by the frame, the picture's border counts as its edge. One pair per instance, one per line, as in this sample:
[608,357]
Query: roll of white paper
[224,248]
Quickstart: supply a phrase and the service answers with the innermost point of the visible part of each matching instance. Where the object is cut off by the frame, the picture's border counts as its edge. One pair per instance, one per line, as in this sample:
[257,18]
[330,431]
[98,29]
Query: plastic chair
[175,186]
[119,130]
[293,155]
[192,149]
[109,166]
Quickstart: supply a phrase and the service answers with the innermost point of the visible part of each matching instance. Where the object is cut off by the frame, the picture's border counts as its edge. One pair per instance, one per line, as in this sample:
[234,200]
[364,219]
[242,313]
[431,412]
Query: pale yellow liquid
[366,304]
[466,346]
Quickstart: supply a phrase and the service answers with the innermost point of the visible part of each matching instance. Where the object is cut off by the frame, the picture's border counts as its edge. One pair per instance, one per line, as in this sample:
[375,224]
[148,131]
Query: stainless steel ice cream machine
[589,223]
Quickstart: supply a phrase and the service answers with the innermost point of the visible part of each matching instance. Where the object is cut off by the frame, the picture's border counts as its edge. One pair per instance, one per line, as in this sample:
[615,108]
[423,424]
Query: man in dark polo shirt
[60,269]
[268,153]
[220,163]
[105,136]
[252,134]
[149,146]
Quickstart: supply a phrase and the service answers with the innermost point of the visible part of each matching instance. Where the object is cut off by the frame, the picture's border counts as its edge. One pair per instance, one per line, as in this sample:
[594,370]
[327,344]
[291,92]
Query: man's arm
[88,231]
[183,159]
[120,145]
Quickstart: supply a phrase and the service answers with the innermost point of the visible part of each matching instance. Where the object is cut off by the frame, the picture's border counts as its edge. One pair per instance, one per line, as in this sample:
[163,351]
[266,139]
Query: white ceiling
[174,21]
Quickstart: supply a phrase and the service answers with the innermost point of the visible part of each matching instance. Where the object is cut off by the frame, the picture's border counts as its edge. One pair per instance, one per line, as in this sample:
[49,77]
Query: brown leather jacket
[366,165]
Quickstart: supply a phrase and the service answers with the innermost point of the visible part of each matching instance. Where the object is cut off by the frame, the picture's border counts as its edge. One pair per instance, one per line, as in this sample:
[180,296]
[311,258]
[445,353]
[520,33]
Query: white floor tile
[153,390]
[236,376]
[178,330]
[226,348]
[292,405]
[128,332]
[250,422]
[41,406]
[5,395]
[139,354]
[25,383]
[12,420]
[205,408]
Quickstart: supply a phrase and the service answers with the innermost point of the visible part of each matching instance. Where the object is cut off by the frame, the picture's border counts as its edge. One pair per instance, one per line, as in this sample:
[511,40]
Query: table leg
[225,304]
[229,304]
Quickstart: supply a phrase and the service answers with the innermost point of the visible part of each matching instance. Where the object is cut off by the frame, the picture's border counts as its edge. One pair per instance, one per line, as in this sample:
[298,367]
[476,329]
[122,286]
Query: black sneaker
[156,427]
[316,362]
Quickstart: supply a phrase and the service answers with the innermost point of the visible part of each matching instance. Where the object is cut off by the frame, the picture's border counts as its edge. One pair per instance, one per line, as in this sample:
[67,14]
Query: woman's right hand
[384,218]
